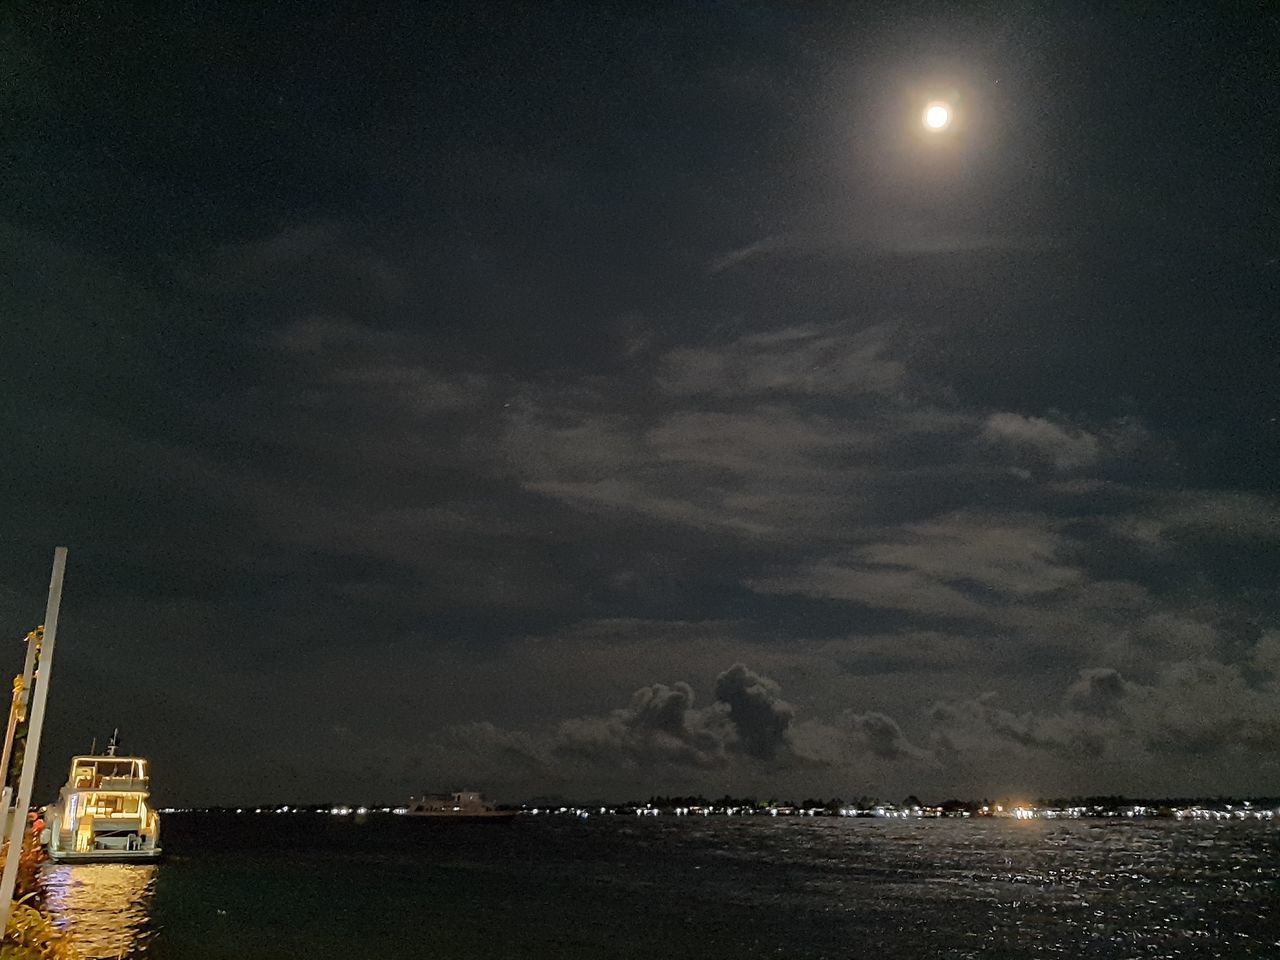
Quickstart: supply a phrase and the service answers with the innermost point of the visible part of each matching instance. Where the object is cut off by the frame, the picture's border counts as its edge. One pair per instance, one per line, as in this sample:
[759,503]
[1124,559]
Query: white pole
[20,700]
[34,727]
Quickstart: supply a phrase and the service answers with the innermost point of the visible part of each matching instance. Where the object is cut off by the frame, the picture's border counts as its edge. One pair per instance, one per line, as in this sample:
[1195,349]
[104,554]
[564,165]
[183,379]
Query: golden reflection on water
[105,905]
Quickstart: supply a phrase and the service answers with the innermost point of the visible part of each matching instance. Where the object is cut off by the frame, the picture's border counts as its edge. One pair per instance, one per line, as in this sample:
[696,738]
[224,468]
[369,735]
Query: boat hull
[105,856]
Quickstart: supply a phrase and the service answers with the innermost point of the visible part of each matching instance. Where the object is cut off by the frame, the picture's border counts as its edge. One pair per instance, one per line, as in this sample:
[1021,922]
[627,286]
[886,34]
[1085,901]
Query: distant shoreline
[1259,809]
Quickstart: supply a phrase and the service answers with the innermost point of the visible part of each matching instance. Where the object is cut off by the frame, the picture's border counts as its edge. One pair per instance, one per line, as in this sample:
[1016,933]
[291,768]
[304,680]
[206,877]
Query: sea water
[304,885]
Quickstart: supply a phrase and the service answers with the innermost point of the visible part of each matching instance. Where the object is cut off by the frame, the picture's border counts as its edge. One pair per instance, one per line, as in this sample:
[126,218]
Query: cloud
[889,589]
[760,471]
[568,440]
[660,726]
[957,566]
[794,464]
[893,236]
[792,361]
[1015,555]
[1164,636]
[625,496]
[881,736]
[771,439]
[755,250]
[759,715]
[350,367]
[1222,515]
[1099,690]
[327,335]
[1206,707]
[748,730]
[1201,707]
[1266,654]
[979,725]
[314,267]
[1043,440]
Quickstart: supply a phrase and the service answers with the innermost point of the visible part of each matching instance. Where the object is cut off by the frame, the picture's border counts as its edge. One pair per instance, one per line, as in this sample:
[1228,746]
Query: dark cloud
[659,727]
[1099,690]
[1196,707]
[748,732]
[759,714]
[979,722]
[882,736]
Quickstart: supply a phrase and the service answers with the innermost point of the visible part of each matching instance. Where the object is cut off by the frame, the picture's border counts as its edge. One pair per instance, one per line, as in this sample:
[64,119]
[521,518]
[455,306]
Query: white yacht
[103,812]
[464,805]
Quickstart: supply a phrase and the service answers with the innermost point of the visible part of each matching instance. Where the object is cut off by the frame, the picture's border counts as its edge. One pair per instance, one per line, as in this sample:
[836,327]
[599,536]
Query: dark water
[319,887]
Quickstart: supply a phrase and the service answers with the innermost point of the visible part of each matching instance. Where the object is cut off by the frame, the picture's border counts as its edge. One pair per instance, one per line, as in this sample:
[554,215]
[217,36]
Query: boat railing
[111,783]
[124,783]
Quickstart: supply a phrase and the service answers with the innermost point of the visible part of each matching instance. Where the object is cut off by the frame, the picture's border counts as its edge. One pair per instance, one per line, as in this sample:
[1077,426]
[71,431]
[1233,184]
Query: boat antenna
[93,747]
[113,742]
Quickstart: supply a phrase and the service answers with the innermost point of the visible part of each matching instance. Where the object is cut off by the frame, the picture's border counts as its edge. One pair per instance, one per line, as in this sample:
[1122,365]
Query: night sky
[604,399]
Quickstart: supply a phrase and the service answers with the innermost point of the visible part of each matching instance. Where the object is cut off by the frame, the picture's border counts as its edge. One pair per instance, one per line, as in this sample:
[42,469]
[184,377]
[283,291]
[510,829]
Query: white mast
[42,676]
[17,710]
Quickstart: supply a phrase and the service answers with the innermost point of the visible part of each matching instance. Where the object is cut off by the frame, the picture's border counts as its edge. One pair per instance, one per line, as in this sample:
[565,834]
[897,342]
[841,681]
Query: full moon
[937,116]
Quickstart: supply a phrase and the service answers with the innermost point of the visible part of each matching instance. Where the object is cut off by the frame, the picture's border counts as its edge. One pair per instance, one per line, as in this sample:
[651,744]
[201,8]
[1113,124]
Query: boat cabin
[448,802]
[108,773]
[104,805]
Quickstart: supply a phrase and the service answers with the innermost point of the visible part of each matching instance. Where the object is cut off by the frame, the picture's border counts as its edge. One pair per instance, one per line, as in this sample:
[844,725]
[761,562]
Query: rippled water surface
[318,887]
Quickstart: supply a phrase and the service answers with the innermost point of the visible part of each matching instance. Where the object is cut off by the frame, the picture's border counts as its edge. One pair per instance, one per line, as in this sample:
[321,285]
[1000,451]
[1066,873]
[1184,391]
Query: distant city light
[1220,810]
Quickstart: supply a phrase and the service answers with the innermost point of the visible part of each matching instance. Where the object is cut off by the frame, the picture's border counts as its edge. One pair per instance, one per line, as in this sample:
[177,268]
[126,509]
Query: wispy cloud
[791,361]
[1065,449]
[896,236]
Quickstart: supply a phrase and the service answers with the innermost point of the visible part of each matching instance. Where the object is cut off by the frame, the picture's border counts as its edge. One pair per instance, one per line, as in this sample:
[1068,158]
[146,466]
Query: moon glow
[937,116]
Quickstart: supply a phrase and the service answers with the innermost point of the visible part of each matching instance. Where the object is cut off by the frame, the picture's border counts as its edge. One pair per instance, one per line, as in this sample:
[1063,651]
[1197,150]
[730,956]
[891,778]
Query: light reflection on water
[106,905]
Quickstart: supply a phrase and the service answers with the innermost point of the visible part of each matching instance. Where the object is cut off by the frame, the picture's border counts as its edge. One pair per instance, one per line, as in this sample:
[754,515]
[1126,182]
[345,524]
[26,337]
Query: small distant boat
[464,805]
[103,813]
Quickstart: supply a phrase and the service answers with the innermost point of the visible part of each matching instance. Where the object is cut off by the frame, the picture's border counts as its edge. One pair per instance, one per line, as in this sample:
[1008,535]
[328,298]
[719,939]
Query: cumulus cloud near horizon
[663,725]
[747,732]
[1197,707]
[663,728]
